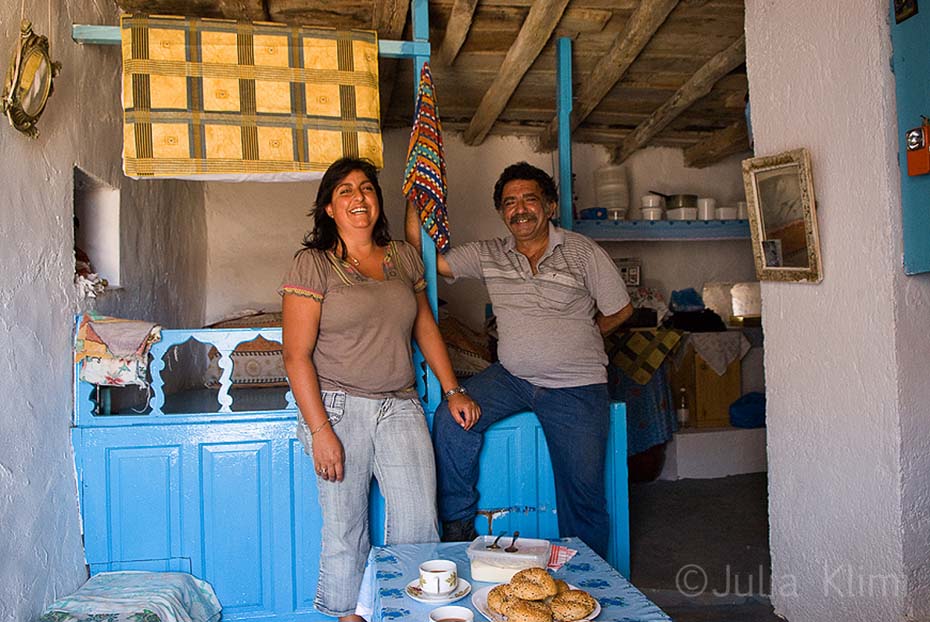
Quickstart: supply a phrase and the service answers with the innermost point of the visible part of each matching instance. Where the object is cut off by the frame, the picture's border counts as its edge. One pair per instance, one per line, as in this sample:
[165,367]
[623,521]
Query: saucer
[461,590]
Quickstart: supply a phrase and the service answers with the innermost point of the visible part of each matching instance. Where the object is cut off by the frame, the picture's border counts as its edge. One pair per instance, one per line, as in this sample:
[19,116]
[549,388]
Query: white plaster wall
[844,359]
[40,545]
[254,231]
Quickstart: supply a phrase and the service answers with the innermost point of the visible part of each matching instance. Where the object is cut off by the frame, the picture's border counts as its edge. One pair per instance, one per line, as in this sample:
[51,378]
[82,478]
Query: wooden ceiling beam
[722,143]
[540,22]
[639,29]
[697,87]
[249,10]
[463,11]
[389,19]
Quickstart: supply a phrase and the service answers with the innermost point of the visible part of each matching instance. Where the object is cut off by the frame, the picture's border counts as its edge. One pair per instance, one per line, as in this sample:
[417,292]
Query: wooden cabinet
[709,395]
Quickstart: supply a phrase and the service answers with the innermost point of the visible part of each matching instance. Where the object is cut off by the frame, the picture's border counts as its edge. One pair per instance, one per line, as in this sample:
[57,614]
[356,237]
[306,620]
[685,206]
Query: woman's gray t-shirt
[364,342]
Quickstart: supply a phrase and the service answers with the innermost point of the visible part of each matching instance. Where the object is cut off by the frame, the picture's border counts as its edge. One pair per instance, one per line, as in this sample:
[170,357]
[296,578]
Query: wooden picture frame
[783,217]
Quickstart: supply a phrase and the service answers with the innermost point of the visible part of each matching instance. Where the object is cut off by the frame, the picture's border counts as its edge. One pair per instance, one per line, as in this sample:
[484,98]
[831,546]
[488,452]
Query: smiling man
[554,293]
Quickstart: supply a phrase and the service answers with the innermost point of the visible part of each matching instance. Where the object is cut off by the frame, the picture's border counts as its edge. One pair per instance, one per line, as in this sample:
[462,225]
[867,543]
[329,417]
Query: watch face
[914,139]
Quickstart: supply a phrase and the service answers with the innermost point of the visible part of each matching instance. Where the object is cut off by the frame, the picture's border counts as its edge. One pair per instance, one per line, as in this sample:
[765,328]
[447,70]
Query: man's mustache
[526,216]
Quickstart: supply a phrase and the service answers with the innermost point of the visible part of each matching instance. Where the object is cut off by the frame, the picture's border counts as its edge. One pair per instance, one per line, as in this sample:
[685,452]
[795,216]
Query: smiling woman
[352,300]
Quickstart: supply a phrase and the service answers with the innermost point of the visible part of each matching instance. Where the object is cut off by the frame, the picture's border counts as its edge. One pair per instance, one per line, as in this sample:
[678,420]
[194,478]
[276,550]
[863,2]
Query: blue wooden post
[566,213]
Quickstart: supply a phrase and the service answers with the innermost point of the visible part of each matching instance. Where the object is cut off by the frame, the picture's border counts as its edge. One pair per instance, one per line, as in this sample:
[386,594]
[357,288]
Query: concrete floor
[700,548]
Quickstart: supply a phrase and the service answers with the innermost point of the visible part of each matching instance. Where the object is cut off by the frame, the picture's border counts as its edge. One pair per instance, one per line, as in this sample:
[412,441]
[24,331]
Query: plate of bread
[534,596]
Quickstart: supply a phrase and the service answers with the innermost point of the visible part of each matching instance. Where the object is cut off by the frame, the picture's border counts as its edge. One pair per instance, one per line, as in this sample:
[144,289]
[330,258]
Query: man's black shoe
[459,531]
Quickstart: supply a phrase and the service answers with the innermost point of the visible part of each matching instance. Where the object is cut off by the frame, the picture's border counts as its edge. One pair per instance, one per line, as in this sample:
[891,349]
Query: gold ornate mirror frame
[28,81]
[783,217]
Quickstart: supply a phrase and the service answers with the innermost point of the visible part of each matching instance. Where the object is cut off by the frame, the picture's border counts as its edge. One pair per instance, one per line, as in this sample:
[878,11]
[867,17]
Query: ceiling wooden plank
[251,10]
[463,11]
[698,86]
[542,19]
[389,19]
[723,143]
[640,28]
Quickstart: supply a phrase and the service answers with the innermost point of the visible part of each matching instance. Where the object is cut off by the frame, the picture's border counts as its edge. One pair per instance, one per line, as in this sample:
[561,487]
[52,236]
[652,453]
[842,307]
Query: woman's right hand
[328,455]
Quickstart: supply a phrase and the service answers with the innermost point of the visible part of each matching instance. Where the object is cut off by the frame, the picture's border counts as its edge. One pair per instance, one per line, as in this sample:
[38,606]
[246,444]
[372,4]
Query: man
[554,293]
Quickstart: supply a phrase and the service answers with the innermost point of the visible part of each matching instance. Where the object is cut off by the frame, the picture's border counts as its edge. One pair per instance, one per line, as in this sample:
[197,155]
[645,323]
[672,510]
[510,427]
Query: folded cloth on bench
[639,353]
[138,597]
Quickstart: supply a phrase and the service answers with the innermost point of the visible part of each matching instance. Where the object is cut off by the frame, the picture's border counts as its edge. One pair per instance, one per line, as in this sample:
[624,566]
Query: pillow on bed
[257,363]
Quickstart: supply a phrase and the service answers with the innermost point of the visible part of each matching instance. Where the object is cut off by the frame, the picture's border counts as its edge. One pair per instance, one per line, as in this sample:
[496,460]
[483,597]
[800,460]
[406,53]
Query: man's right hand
[414,233]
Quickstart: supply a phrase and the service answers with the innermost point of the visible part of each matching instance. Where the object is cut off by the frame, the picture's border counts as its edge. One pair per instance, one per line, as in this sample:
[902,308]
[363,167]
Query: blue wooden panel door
[911,62]
[235,503]
[232,503]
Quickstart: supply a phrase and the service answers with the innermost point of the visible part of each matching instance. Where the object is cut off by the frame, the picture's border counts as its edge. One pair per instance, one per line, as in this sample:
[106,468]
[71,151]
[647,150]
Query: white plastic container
[615,213]
[499,566]
[706,208]
[742,210]
[683,213]
[652,213]
[726,213]
[651,200]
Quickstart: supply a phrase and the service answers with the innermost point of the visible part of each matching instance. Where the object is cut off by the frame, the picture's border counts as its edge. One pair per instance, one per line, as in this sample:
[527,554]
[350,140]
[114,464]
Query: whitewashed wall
[846,359]
[164,267]
[254,229]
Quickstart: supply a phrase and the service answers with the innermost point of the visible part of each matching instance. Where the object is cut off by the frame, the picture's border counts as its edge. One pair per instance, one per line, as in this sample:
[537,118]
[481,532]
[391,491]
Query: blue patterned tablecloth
[391,568]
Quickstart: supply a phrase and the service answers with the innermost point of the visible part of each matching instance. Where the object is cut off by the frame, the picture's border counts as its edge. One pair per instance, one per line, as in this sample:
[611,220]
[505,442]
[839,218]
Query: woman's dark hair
[528,172]
[324,236]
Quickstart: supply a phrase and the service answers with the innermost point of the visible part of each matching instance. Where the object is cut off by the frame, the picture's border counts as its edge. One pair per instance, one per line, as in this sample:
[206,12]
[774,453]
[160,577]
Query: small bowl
[727,213]
[682,213]
[652,213]
[451,613]
[651,200]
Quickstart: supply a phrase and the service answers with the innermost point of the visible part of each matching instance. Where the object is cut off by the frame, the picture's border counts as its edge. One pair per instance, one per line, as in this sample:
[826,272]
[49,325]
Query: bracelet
[319,427]
[460,390]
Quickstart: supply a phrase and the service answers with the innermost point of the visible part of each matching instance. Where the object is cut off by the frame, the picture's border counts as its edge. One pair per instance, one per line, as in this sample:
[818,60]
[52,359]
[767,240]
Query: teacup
[438,576]
[451,613]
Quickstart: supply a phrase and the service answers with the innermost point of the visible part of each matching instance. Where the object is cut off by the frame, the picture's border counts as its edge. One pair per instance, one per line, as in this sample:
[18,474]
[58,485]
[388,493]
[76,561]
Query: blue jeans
[575,420]
[387,438]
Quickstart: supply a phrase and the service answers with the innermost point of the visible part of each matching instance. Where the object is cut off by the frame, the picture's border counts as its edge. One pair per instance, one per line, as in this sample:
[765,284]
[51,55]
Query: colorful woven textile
[114,351]
[220,99]
[639,353]
[425,174]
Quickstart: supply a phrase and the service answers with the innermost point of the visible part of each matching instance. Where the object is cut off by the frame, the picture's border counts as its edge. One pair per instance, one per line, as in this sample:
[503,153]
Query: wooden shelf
[655,230]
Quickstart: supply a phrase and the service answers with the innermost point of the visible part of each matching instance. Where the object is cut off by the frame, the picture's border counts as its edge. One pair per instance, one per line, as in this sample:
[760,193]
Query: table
[391,568]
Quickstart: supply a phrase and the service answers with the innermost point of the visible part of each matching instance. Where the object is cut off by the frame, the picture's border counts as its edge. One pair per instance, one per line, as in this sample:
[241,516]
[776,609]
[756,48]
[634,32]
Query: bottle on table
[684,415]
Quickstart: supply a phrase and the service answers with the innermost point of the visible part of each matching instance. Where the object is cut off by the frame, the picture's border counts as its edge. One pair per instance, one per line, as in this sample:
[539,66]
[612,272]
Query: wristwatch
[459,390]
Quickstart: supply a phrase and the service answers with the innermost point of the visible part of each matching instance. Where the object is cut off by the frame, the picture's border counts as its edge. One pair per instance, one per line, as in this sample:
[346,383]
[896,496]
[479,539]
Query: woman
[351,301]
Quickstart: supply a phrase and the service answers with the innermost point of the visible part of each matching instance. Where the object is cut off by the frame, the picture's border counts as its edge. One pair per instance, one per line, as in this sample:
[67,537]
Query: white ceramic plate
[461,591]
[480,600]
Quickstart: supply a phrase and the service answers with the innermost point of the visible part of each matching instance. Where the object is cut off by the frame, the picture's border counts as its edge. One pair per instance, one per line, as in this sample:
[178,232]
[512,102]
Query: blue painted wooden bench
[230,497]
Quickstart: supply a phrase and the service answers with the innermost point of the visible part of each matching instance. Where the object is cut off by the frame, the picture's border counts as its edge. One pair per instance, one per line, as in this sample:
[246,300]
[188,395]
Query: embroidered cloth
[138,597]
[639,353]
[220,99]
[114,351]
[425,173]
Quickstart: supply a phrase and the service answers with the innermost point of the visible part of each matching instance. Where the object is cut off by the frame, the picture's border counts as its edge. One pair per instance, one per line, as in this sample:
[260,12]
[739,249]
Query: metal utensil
[494,544]
[512,548]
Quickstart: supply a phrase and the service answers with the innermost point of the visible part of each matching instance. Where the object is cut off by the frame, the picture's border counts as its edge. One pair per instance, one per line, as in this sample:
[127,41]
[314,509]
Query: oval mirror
[29,81]
[34,83]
